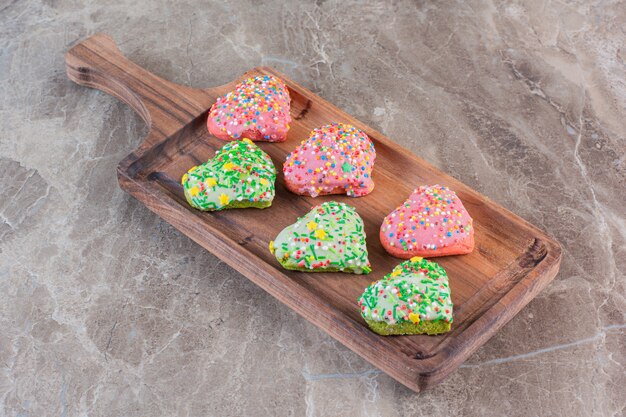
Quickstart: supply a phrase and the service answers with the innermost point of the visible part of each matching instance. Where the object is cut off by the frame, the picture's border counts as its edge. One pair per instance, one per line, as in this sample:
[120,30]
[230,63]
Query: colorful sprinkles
[257,109]
[240,175]
[432,218]
[330,237]
[416,290]
[336,159]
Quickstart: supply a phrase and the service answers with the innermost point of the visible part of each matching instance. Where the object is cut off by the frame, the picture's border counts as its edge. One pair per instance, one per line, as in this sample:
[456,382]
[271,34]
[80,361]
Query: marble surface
[106,310]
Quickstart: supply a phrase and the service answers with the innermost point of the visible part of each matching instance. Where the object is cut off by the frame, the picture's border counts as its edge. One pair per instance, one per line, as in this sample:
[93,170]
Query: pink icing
[335,159]
[431,222]
[257,109]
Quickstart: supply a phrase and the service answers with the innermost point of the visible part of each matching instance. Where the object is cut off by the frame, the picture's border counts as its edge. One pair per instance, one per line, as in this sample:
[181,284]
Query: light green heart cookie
[413,299]
[330,238]
[240,175]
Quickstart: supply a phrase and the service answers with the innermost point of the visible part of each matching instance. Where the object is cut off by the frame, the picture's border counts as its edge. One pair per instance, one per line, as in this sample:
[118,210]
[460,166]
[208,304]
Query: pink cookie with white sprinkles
[336,159]
[431,222]
[257,109]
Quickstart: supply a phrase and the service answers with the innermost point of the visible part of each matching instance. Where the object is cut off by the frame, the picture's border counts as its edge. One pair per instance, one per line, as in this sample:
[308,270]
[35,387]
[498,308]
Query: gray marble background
[108,311]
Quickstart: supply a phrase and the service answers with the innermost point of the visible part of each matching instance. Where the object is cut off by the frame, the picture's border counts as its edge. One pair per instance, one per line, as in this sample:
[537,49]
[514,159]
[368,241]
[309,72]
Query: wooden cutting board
[510,265]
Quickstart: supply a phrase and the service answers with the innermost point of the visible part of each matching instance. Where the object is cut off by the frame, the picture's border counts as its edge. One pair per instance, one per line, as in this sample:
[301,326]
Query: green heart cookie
[413,299]
[330,238]
[240,175]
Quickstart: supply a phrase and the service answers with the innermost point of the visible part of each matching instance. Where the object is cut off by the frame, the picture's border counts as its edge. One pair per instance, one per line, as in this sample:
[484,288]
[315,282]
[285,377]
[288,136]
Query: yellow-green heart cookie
[413,299]
[240,175]
[330,238]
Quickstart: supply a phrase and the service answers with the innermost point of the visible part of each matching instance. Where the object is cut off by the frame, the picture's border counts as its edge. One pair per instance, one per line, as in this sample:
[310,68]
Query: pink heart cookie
[257,109]
[336,159]
[431,222]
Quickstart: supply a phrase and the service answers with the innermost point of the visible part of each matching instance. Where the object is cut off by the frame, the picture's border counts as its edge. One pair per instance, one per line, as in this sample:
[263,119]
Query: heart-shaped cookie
[431,222]
[240,175]
[335,159]
[257,109]
[330,238]
[413,299]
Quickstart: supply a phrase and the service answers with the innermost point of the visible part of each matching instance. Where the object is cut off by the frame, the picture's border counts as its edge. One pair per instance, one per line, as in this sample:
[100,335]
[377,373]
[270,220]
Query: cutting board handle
[165,107]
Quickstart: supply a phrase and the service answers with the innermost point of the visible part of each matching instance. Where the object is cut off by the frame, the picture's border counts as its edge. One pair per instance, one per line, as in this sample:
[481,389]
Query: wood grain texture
[512,262]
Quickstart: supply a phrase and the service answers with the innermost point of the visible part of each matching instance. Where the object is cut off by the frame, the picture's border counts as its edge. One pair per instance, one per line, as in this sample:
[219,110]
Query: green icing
[330,238]
[413,298]
[240,175]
